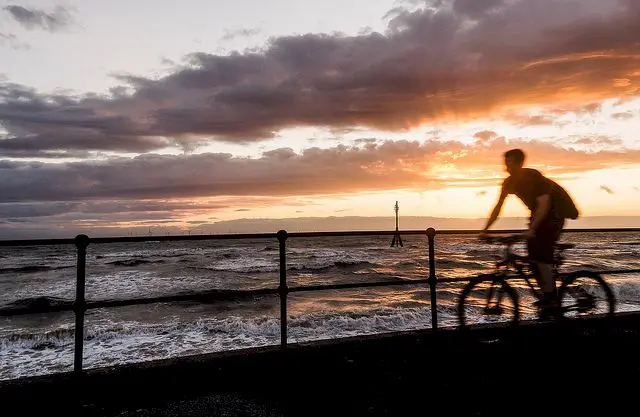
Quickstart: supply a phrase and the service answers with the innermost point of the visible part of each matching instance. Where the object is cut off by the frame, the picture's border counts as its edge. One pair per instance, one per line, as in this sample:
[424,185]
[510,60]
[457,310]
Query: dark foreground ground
[589,368]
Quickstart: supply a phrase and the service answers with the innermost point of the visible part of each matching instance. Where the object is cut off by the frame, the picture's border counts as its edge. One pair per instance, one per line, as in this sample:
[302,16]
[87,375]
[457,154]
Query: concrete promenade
[593,368]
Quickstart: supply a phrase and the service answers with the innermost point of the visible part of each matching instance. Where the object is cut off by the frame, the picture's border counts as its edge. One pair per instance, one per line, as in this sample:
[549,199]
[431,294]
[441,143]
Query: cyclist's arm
[496,210]
[543,188]
[542,209]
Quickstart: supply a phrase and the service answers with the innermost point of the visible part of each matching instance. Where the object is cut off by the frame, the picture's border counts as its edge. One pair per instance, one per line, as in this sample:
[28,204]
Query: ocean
[43,343]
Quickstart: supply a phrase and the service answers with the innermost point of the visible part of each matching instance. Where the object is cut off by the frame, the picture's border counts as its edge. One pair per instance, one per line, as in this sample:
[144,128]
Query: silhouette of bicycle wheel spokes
[583,294]
[486,299]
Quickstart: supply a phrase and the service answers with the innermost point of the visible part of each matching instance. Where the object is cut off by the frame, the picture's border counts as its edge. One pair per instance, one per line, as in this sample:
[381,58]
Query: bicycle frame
[514,266]
[519,264]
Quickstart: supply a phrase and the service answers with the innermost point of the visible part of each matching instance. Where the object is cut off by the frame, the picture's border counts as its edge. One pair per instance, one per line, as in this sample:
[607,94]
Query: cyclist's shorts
[540,247]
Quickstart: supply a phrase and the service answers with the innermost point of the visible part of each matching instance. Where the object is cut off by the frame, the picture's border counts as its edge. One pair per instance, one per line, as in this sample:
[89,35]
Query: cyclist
[550,205]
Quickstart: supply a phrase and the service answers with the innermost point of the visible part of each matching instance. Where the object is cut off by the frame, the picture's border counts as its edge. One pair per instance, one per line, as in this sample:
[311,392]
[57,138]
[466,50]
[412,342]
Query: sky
[171,116]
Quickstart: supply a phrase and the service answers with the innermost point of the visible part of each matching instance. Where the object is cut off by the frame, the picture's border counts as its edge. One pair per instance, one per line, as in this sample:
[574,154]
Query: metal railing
[80,305]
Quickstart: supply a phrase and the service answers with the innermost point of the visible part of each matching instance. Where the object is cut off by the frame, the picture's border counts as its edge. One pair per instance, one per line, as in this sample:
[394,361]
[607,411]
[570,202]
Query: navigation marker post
[397,240]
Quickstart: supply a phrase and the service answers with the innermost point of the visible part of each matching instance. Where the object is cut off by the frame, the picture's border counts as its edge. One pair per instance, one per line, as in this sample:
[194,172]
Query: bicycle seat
[563,246]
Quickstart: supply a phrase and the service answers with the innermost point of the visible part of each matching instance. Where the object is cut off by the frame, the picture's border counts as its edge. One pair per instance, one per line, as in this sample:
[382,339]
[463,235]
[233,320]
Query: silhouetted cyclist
[549,204]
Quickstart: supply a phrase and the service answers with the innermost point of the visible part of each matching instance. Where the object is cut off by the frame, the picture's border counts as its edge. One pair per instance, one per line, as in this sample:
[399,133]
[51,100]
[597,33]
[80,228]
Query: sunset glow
[190,117]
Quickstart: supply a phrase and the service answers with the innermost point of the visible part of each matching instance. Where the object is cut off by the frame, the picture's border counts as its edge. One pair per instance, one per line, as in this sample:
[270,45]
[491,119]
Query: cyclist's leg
[541,251]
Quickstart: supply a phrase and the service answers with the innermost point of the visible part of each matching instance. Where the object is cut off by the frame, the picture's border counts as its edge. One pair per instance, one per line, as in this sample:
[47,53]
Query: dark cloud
[105,210]
[366,141]
[31,18]
[167,61]
[476,9]
[578,109]
[36,153]
[20,210]
[537,120]
[623,116]
[282,172]
[55,144]
[485,135]
[606,189]
[598,140]
[118,217]
[54,126]
[462,60]
[12,41]
[19,220]
[239,33]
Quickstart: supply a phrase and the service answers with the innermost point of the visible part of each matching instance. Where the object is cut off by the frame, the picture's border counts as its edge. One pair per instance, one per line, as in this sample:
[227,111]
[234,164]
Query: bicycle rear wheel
[584,293]
[488,298]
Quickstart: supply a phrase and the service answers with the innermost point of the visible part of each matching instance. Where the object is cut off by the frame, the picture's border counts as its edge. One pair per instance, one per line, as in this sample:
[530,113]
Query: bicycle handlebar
[508,241]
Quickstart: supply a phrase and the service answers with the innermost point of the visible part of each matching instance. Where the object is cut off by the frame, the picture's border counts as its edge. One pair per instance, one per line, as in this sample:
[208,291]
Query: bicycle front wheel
[585,293]
[488,298]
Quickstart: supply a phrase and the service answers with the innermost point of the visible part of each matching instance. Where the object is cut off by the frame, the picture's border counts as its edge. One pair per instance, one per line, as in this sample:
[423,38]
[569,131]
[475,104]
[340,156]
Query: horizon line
[239,236]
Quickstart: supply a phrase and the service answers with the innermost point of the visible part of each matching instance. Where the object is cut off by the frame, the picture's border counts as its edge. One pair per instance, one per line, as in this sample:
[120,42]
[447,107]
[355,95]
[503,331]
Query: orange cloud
[457,61]
[371,166]
[164,189]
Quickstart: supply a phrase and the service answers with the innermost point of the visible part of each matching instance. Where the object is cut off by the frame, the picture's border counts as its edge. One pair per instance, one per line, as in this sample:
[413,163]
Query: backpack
[563,204]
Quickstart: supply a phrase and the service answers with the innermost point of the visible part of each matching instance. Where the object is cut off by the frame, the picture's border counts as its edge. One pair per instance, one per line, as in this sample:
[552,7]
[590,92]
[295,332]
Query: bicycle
[575,291]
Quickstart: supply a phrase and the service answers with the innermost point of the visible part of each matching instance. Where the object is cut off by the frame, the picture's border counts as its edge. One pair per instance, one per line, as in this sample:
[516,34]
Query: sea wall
[368,375]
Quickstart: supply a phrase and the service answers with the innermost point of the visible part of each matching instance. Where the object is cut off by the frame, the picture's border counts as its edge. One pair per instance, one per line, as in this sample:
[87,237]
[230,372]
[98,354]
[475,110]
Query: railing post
[283,289]
[431,234]
[80,306]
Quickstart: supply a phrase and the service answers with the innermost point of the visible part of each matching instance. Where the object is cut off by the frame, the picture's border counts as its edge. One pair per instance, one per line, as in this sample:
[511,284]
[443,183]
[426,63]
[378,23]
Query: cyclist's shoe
[550,313]
[548,309]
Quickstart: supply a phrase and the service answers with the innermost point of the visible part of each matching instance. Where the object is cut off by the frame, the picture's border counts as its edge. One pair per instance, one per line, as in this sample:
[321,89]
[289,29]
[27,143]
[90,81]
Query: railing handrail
[224,294]
[80,305]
